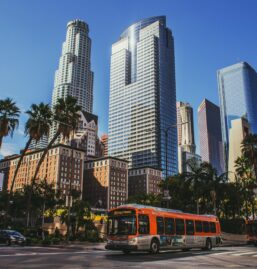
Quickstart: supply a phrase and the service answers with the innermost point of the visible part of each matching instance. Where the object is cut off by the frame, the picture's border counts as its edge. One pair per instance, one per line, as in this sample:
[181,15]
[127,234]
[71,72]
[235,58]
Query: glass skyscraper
[238,97]
[143,96]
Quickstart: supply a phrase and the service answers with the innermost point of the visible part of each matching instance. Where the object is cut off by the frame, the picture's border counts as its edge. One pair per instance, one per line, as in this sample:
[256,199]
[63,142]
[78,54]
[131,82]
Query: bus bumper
[120,247]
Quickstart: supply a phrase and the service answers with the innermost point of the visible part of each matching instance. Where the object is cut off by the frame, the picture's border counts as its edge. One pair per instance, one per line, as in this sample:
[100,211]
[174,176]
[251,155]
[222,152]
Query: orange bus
[251,230]
[134,227]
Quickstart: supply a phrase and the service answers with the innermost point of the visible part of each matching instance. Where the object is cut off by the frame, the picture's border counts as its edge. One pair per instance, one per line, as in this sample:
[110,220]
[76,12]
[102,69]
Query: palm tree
[249,149]
[66,114]
[37,126]
[9,118]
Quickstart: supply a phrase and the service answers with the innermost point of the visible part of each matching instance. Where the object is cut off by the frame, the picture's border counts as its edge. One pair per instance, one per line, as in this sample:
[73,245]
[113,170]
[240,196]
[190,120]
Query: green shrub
[46,242]
[92,235]
[56,241]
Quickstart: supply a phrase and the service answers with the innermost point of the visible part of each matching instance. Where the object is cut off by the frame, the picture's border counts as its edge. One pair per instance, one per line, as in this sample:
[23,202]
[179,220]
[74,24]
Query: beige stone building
[106,182]
[144,180]
[239,130]
[63,166]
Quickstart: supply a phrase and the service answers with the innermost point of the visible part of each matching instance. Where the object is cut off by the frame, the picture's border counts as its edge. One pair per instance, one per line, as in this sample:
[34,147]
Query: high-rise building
[211,147]
[106,182]
[63,166]
[104,140]
[42,143]
[186,138]
[239,130]
[238,98]
[144,180]
[143,96]
[74,76]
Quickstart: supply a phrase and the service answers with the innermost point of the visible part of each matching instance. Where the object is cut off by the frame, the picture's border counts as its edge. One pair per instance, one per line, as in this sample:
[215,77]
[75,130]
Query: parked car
[10,237]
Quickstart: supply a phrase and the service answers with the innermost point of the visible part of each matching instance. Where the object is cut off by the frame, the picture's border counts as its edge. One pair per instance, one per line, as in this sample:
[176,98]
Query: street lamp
[166,196]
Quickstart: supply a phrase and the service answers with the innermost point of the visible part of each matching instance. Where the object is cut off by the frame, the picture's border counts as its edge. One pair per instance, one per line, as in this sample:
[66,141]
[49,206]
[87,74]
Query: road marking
[225,252]
[52,253]
[244,253]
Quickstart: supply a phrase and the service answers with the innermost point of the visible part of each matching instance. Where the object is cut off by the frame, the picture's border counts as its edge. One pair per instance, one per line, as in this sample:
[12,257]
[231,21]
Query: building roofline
[105,158]
[144,167]
[40,150]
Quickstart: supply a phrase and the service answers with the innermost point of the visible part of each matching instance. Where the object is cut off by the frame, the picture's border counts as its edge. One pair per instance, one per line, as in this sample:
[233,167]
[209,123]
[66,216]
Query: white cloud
[8,149]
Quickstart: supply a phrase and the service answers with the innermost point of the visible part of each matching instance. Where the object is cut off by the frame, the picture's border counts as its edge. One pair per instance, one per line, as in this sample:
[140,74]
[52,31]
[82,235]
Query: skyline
[33,81]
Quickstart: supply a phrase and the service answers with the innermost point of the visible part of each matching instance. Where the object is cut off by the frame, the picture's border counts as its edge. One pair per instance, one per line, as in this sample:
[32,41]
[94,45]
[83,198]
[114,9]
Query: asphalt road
[79,257]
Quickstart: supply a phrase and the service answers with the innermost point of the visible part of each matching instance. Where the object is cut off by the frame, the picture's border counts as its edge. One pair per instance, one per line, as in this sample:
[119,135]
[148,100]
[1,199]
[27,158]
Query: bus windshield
[122,225]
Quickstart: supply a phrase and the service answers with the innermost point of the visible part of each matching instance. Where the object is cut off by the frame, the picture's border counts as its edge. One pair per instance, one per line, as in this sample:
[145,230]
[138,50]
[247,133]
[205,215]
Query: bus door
[143,231]
[190,234]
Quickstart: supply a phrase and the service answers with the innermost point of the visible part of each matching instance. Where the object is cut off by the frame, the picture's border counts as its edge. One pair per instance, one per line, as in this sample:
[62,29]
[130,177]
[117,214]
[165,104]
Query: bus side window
[180,226]
[213,227]
[190,227]
[160,225]
[169,226]
[198,226]
[206,227]
[143,221]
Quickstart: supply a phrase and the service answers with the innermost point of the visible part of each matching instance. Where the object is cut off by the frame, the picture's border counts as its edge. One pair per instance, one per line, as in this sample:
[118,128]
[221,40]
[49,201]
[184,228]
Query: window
[160,225]
[198,226]
[169,226]
[206,227]
[143,221]
[190,227]
[180,226]
[213,227]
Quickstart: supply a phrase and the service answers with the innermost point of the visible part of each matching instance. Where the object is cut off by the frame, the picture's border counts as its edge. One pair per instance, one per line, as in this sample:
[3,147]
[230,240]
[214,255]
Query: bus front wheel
[155,246]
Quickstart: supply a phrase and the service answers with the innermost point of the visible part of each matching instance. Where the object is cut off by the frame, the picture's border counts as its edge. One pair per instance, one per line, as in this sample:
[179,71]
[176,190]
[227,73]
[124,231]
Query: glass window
[206,227]
[190,227]
[143,221]
[213,227]
[180,226]
[169,226]
[160,225]
[198,226]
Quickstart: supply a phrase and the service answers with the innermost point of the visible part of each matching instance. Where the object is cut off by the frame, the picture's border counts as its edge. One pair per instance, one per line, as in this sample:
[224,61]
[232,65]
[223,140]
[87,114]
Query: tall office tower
[74,76]
[238,98]
[143,96]
[238,131]
[42,143]
[211,147]
[186,137]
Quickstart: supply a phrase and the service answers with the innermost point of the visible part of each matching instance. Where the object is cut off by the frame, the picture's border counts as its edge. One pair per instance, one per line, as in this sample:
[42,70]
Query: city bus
[251,231]
[135,227]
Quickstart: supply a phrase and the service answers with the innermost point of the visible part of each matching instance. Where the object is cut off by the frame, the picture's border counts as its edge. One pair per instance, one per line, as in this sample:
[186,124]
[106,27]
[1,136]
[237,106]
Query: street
[77,257]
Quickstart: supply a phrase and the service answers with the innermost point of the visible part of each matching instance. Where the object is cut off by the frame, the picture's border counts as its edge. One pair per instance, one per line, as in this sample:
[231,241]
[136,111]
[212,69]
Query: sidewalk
[233,239]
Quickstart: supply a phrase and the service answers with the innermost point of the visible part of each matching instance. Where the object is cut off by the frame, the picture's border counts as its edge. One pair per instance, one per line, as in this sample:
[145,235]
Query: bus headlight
[132,240]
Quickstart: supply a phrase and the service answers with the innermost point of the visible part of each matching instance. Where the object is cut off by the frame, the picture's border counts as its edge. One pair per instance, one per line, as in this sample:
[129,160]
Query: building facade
[106,182]
[104,140]
[143,96]
[240,128]
[74,76]
[209,126]
[144,180]
[63,166]
[238,97]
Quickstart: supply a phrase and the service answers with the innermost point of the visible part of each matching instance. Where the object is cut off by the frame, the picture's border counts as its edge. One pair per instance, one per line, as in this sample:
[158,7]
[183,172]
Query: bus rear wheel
[155,246]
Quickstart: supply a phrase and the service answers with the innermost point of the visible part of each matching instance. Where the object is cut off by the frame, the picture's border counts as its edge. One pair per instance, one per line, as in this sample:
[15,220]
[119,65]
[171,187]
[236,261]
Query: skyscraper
[186,137]
[143,96]
[238,97]
[74,76]
[211,147]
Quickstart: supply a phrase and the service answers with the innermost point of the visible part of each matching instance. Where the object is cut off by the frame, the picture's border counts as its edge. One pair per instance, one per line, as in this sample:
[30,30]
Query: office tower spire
[143,96]
[74,76]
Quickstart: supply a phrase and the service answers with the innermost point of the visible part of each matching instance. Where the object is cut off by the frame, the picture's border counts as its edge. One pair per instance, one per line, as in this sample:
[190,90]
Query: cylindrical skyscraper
[74,76]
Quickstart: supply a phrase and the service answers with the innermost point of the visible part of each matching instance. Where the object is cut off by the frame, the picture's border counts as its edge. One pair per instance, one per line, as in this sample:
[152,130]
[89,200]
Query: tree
[145,199]
[9,118]
[249,150]
[66,114]
[37,126]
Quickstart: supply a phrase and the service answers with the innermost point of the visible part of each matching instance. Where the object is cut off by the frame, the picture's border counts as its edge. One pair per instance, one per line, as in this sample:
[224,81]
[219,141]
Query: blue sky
[208,35]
